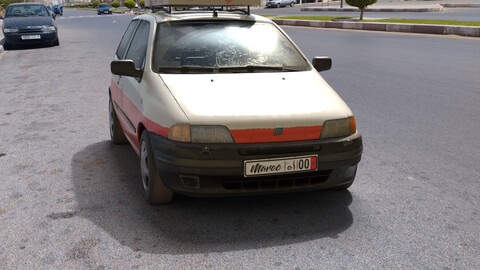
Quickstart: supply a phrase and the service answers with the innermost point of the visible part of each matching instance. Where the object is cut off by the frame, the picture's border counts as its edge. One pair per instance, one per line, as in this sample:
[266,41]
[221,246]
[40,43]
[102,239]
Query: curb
[469,31]
[376,9]
[461,5]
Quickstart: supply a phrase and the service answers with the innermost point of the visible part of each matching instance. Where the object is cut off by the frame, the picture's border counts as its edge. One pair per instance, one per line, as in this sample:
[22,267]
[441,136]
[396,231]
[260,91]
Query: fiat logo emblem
[278,131]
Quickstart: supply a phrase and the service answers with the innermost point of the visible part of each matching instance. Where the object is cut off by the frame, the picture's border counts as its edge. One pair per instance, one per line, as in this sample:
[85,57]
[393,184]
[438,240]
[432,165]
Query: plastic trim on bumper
[213,165]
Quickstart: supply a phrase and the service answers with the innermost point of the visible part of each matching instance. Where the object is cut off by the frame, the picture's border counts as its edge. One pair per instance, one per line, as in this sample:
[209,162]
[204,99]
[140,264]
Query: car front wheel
[7,46]
[154,190]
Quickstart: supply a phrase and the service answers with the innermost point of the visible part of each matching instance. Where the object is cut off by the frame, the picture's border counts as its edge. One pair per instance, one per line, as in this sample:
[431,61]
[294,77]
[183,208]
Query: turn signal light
[179,133]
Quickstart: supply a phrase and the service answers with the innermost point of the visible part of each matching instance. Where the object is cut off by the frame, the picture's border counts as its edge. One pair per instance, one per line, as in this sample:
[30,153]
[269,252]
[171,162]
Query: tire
[278,5]
[154,190]
[7,46]
[116,133]
[291,4]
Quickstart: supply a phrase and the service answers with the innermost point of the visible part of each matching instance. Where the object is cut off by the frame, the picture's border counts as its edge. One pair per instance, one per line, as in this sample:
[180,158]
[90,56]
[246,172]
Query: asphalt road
[69,199]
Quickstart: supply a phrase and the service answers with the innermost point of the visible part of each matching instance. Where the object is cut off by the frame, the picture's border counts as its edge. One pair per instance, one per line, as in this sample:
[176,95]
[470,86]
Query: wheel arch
[141,128]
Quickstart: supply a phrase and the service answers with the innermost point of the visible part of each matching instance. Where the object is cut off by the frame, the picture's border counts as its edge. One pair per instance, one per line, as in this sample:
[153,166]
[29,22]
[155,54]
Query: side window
[138,47]
[122,47]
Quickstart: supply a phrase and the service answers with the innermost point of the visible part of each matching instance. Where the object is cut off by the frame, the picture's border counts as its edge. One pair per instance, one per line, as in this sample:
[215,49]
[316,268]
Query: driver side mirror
[54,16]
[125,68]
[322,63]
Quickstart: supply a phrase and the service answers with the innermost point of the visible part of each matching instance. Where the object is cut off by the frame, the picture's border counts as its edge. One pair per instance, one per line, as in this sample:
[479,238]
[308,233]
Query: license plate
[31,37]
[280,165]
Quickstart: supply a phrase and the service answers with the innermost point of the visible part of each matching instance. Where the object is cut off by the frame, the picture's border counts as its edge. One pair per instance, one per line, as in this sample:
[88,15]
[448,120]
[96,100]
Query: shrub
[116,4]
[4,3]
[95,3]
[141,3]
[361,4]
[80,5]
[129,4]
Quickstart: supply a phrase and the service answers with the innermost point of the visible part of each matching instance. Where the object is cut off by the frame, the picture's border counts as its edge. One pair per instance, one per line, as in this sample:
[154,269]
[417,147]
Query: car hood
[24,22]
[256,100]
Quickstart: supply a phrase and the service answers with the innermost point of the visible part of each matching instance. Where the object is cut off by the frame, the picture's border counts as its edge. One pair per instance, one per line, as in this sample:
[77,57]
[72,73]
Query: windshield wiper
[181,69]
[216,68]
[252,68]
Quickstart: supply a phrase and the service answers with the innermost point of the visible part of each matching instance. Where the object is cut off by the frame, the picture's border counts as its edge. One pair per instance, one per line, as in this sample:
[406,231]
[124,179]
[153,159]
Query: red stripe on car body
[263,135]
[135,116]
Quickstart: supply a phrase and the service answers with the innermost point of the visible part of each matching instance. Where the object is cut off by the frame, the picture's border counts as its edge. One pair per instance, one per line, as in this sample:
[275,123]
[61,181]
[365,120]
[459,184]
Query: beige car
[224,103]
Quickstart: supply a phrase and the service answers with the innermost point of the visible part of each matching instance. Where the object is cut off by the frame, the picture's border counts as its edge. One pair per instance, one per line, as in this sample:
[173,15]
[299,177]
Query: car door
[117,83]
[131,87]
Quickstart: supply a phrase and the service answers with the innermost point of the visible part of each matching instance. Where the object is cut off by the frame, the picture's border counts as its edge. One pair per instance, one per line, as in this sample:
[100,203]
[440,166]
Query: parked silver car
[280,3]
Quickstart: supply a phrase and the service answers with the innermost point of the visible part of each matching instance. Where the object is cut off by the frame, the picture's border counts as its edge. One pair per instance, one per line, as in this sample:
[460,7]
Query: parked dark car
[57,9]
[29,23]
[104,9]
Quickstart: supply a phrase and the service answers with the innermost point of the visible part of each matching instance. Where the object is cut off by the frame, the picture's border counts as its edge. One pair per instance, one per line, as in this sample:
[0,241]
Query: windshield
[103,6]
[224,46]
[26,11]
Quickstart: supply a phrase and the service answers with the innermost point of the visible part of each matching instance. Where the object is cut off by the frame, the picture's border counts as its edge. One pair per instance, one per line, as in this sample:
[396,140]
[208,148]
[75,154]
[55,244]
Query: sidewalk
[469,31]
[397,6]
[391,6]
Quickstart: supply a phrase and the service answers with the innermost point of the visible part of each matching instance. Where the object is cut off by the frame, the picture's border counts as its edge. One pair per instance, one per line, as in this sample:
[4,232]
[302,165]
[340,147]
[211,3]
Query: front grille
[30,30]
[275,182]
[280,150]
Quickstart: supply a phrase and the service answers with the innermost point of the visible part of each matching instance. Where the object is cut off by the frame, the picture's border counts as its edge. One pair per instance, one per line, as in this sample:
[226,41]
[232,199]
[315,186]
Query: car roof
[202,16]
[27,3]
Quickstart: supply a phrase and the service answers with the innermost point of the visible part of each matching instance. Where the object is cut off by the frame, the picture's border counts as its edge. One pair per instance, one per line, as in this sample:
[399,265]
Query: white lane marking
[91,16]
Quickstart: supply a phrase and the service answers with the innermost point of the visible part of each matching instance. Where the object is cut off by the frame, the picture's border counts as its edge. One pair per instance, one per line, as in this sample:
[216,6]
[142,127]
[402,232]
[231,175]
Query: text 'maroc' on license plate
[280,165]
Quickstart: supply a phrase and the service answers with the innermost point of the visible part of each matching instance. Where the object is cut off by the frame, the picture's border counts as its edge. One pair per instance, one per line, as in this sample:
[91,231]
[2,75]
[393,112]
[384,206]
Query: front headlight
[10,30]
[200,134]
[338,128]
[48,28]
[211,134]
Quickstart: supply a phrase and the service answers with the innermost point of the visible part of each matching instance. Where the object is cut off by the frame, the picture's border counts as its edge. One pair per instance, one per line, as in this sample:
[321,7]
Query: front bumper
[16,38]
[218,169]
[271,4]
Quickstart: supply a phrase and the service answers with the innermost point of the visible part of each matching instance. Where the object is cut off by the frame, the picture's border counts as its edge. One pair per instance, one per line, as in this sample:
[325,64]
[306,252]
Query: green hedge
[79,5]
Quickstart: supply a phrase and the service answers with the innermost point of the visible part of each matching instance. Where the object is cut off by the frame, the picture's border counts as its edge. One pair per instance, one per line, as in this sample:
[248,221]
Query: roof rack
[189,9]
[169,5]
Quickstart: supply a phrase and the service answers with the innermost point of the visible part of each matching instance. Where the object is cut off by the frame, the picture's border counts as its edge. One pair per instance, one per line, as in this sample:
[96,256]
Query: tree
[141,3]
[94,3]
[4,3]
[361,4]
[116,4]
[130,4]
